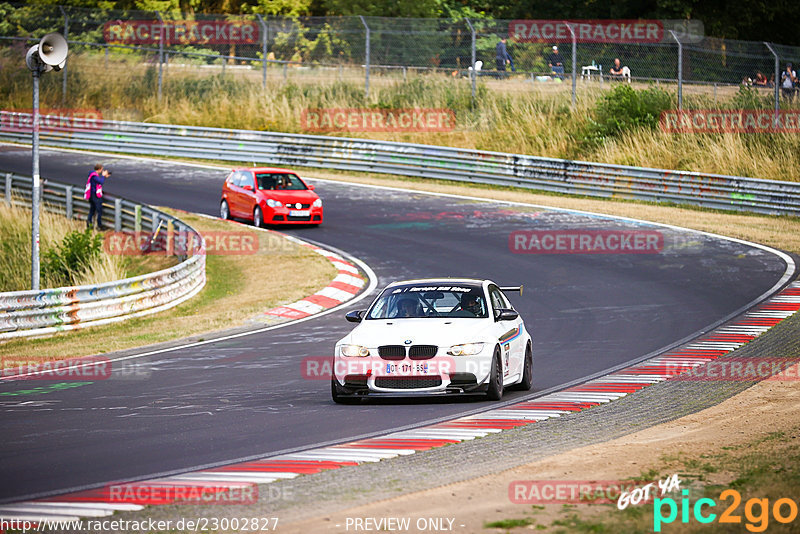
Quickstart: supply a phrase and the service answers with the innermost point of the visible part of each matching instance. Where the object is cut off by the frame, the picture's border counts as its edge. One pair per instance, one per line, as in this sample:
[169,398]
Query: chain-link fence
[559,55]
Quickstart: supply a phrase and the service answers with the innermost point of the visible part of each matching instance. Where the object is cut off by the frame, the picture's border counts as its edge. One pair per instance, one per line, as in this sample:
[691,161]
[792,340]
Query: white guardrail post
[428,161]
[26,313]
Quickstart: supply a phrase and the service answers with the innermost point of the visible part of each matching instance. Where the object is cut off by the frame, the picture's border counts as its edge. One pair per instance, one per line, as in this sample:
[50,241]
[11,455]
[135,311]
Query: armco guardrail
[26,313]
[425,161]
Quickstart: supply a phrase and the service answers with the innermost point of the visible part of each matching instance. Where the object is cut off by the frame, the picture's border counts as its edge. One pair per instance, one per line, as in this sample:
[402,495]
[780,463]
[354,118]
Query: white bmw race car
[434,336]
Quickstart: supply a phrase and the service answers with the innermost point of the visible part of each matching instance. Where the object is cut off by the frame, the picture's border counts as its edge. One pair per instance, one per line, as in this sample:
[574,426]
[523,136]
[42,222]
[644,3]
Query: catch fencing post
[777,78]
[263,50]
[64,70]
[366,60]
[574,61]
[160,52]
[680,70]
[472,73]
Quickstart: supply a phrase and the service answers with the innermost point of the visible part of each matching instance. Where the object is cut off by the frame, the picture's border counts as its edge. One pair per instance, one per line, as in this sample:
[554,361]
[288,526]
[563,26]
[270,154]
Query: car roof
[263,169]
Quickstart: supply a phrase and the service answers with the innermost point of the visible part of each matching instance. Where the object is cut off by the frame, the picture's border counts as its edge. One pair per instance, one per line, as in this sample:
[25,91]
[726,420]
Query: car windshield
[279,181]
[430,301]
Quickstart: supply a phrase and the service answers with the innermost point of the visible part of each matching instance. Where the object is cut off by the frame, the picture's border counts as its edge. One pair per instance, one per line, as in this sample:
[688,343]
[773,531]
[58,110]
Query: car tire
[224,210]
[527,371]
[495,390]
[258,218]
[339,396]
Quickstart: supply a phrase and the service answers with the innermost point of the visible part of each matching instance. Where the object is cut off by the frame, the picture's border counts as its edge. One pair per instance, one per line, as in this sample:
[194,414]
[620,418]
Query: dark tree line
[774,20]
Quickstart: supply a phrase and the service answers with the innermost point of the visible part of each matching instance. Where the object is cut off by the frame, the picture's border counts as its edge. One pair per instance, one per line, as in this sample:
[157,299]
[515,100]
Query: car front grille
[392,352]
[408,382]
[422,352]
[293,206]
[305,218]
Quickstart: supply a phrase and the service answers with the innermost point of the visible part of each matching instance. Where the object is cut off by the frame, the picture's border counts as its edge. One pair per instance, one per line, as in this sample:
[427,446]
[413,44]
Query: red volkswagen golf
[267,195]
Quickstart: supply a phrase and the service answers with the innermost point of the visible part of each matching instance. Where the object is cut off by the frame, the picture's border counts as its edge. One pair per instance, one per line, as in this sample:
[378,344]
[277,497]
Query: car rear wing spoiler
[517,289]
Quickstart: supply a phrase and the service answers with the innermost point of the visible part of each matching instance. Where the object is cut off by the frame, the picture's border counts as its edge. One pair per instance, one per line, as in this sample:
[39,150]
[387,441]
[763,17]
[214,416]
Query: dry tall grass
[512,115]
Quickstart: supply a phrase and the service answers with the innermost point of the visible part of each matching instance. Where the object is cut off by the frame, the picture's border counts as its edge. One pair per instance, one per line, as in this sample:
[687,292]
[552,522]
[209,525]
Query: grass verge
[238,287]
[15,253]
[762,470]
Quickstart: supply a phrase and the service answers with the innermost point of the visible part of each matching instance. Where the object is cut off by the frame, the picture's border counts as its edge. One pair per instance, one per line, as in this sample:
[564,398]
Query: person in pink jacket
[94,194]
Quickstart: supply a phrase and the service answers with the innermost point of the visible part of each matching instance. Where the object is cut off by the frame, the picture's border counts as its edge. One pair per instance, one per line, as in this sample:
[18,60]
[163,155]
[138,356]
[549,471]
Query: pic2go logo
[756,511]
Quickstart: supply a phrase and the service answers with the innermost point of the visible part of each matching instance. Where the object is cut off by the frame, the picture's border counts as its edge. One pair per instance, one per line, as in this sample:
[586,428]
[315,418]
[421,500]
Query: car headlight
[317,203]
[272,203]
[467,349]
[354,351]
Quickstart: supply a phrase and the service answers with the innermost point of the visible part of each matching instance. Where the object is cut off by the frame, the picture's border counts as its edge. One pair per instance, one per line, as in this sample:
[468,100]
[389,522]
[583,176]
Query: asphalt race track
[241,397]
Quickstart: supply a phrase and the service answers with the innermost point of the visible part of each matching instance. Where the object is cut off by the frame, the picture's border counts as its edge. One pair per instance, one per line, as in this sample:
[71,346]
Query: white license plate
[299,213]
[412,369]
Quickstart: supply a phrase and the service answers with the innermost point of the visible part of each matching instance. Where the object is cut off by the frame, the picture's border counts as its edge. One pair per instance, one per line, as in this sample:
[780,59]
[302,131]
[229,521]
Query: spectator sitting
[615,72]
[760,80]
[556,63]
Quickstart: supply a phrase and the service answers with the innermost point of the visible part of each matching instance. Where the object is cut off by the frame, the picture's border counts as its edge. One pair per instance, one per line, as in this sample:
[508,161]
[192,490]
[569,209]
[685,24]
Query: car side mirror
[310,187]
[505,314]
[354,316]
[247,187]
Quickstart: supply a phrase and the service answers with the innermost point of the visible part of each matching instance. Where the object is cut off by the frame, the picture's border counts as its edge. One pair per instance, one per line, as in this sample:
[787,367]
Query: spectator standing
[556,63]
[94,194]
[502,58]
[788,81]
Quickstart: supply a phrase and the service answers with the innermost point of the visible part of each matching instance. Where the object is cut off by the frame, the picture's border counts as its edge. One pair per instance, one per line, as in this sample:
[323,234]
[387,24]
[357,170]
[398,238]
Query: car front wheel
[224,211]
[258,218]
[527,371]
[495,390]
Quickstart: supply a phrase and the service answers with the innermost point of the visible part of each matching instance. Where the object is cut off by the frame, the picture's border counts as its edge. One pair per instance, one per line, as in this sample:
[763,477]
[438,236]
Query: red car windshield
[279,181]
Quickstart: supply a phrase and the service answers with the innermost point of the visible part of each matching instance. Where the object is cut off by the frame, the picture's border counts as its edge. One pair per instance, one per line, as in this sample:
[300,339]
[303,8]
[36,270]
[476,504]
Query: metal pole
[680,70]
[64,70]
[777,81]
[160,52]
[36,185]
[472,74]
[574,64]
[366,75]
[263,50]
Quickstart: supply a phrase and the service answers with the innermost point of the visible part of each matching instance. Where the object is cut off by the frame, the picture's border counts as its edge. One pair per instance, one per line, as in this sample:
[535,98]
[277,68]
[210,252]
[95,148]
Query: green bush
[624,108]
[72,256]
[751,98]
